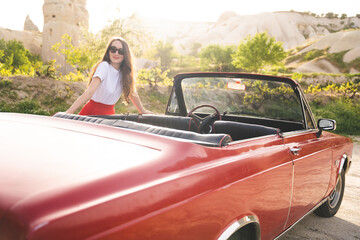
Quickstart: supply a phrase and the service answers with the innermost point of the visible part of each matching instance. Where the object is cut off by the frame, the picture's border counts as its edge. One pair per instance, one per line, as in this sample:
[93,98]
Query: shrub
[312,54]
[25,106]
[15,59]
[355,64]
[346,113]
[154,77]
[337,60]
[5,83]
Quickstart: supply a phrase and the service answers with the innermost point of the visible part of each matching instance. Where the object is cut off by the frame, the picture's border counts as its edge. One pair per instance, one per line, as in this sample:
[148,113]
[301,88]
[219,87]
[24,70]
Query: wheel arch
[247,221]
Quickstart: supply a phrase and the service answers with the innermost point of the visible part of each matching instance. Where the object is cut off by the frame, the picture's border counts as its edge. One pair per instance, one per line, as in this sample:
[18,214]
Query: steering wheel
[204,122]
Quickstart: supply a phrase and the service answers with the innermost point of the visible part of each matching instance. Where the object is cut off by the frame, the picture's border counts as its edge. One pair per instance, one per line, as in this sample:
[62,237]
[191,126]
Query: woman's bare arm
[89,92]
[137,103]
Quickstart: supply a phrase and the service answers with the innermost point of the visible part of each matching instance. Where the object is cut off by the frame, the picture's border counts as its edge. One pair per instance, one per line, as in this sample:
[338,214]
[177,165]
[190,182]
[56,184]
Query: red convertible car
[235,156]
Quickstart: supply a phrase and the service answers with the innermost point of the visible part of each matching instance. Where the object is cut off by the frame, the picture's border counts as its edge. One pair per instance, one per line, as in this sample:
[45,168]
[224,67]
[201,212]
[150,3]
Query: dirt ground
[346,223]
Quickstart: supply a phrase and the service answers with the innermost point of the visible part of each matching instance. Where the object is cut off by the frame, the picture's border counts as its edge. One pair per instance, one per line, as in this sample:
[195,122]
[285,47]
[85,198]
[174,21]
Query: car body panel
[68,179]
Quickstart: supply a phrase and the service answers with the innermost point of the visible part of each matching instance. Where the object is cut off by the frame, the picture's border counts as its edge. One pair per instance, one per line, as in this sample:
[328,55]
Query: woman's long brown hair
[126,67]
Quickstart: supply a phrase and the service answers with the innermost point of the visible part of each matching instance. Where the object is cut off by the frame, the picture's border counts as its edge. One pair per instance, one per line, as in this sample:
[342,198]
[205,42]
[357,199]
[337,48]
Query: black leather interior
[175,122]
[239,131]
[217,140]
[283,125]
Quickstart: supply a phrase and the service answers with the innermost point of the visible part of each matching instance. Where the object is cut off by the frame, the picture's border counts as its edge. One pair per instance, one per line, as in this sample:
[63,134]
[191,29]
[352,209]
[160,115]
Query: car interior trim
[214,140]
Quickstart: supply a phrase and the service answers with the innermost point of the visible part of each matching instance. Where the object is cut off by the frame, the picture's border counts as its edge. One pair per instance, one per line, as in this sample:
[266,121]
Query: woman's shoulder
[102,70]
[104,64]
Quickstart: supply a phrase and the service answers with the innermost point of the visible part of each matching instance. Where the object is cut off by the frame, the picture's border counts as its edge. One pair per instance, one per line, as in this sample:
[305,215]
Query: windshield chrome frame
[177,88]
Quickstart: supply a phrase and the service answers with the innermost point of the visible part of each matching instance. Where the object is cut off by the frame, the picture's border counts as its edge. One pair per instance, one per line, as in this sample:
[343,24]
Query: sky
[14,12]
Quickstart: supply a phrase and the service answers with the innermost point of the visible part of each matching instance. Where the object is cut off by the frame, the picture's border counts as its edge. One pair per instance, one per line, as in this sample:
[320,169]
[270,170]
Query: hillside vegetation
[46,96]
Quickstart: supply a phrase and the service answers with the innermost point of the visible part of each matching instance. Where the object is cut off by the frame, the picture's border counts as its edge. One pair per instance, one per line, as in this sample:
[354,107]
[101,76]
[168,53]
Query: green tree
[253,54]
[77,57]
[217,58]
[331,15]
[195,49]
[164,52]
[14,53]
[137,38]
[92,48]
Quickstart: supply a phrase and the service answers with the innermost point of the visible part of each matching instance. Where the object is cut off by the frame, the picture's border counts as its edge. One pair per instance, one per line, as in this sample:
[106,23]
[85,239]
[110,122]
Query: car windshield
[242,96]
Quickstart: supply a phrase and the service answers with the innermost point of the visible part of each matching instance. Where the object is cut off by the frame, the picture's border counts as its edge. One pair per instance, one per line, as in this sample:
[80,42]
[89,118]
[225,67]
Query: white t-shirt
[110,88]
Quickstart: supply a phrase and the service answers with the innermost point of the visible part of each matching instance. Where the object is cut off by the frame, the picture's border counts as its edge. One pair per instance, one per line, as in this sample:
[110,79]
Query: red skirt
[96,108]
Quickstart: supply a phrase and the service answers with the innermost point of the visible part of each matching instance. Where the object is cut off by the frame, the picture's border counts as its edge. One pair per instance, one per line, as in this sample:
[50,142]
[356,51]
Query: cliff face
[62,17]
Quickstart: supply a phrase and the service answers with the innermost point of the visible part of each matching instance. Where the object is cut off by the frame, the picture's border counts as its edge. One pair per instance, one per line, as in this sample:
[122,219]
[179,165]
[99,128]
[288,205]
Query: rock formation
[62,17]
[348,41]
[29,25]
[30,39]
[292,28]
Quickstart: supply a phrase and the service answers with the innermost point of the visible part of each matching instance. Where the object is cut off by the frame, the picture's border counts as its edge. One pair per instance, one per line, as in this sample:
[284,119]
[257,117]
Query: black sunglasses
[114,49]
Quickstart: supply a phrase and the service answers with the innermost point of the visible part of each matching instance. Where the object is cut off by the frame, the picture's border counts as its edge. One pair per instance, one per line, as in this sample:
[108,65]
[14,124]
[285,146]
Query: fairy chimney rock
[29,25]
[62,17]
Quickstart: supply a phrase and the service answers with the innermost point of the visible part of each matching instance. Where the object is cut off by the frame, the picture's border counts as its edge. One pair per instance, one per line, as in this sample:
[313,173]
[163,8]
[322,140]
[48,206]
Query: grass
[5,83]
[38,99]
[24,106]
[337,60]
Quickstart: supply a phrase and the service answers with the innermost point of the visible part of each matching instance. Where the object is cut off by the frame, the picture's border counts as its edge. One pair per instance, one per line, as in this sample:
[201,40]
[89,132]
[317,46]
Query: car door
[312,165]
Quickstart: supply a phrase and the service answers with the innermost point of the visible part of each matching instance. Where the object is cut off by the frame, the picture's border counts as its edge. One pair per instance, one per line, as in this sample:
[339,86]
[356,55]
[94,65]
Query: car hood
[46,158]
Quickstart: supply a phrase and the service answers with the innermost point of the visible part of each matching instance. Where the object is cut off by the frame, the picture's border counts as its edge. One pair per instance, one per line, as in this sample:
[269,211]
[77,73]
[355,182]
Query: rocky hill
[332,53]
[292,28]
[295,30]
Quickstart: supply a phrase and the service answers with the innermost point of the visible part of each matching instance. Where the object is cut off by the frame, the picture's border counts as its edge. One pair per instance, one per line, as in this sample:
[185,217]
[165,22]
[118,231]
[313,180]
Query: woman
[109,78]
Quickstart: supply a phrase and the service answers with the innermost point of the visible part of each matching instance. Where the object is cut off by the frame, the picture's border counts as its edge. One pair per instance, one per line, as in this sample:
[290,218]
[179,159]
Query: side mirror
[326,124]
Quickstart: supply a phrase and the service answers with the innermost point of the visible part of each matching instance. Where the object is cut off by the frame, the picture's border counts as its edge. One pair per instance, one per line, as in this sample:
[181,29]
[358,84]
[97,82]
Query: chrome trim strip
[291,193]
[307,106]
[289,134]
[309,212]
[239,224]
[302,103]
[342,161]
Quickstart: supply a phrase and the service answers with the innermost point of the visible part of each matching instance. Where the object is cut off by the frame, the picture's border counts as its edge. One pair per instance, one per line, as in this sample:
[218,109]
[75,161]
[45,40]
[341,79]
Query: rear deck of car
[223,131]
